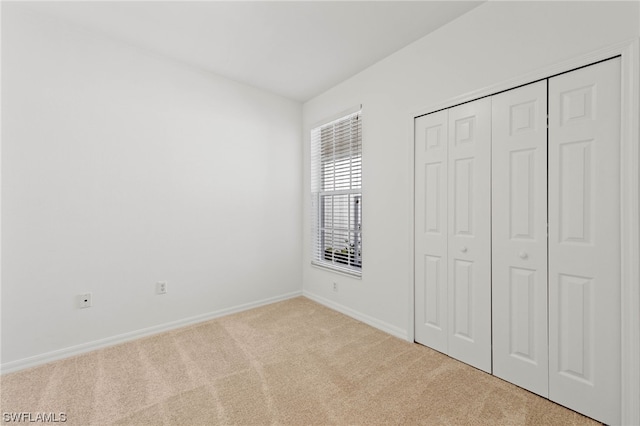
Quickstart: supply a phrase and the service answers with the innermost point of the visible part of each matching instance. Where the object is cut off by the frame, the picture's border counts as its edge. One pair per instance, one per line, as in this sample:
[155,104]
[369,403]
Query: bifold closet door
[519,237]
[584,240]
[431,138]
[469,245]
[452,232]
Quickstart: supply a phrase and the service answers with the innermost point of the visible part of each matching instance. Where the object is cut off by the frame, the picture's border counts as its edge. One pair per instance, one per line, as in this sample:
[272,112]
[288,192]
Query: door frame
[629,52]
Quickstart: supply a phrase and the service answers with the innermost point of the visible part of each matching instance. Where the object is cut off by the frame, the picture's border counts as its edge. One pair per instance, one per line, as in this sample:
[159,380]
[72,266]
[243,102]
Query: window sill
[351,272]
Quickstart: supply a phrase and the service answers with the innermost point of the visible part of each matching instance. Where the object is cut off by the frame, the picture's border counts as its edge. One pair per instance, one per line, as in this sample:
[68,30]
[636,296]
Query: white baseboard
[33,361]
[373,322]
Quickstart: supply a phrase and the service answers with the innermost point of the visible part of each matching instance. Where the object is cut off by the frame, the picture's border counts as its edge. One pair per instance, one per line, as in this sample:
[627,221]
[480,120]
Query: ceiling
[296,49]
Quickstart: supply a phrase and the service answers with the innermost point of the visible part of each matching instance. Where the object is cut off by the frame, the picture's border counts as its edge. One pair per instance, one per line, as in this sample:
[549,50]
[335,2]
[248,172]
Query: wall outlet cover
[84,300]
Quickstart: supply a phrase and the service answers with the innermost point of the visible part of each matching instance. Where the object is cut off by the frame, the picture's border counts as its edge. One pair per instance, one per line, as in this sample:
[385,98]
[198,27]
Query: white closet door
[431,230]
[469,259]
[584,240]
[519,237]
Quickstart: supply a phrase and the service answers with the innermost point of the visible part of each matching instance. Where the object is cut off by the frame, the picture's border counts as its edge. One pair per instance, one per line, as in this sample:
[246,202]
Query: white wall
[120,169]
[493,43]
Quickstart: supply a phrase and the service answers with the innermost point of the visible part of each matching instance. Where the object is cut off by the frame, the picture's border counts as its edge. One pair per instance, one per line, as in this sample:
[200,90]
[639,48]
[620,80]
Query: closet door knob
[523,255]
[463,249]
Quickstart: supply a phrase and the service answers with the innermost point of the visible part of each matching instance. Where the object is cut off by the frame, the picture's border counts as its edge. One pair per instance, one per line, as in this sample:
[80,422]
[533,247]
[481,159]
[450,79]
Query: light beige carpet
[290,363]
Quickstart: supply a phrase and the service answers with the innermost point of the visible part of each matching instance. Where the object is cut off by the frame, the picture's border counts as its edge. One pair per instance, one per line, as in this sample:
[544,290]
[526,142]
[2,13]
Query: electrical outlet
[161,287]
[84,300]
[335,287]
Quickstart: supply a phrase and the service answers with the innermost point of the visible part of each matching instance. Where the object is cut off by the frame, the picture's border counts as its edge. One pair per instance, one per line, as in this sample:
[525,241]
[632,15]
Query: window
[336,194]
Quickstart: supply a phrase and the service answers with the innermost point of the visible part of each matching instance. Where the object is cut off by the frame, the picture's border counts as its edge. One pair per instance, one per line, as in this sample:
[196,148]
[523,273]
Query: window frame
[346,256]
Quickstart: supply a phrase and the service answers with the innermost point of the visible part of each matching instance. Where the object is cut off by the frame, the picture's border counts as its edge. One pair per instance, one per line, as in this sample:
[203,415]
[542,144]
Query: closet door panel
[469,244]
[584,240]
[431,137]
[519,236]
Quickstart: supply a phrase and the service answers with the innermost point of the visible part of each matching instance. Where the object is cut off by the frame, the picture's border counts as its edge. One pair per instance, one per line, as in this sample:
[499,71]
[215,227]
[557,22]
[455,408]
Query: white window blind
[336,194]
